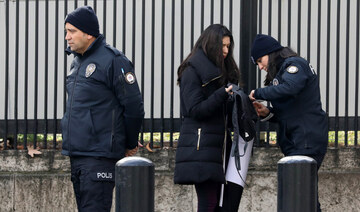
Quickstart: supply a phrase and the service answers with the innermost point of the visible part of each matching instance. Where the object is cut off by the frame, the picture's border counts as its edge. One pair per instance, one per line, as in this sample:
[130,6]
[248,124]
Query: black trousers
[232,197]
[93,180]
[208,194]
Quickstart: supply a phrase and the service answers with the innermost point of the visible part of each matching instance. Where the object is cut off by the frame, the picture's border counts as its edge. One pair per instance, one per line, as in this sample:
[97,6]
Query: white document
[232,174]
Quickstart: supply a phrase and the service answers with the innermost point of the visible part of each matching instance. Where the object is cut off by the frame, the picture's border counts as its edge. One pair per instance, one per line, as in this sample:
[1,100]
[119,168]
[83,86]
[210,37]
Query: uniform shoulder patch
[292,69]
[130,78]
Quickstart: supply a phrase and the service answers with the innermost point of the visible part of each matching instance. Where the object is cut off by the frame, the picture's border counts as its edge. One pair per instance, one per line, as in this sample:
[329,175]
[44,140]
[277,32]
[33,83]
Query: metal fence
[326,32]
[156,35]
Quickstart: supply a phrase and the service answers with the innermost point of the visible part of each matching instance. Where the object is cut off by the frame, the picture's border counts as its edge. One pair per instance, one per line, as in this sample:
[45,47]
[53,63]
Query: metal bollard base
[134,180]
[297,184]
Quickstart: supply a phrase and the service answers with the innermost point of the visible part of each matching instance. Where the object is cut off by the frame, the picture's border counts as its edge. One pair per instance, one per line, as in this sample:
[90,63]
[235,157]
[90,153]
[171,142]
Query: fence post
[297,184]
[248,26]
[134,180]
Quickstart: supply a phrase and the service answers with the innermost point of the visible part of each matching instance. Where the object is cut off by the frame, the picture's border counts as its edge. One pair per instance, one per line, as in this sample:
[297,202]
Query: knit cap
[85,19]
[263,45]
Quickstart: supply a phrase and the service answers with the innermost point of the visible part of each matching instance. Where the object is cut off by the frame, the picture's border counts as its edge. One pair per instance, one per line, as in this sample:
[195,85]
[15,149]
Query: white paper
[232,173]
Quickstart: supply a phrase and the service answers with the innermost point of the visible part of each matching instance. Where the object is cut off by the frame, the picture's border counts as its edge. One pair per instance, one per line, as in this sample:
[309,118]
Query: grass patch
[342,139]
[40,140]
[48,141]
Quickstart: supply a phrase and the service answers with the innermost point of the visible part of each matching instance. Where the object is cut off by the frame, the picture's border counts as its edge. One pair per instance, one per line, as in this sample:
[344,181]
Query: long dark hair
[210,41]
[275,60]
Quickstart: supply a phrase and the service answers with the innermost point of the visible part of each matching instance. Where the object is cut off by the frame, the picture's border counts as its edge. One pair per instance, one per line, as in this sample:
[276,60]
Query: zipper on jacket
[198,141]
[205,84]
[71,103]
[112,129]
[224,153]
[224,145]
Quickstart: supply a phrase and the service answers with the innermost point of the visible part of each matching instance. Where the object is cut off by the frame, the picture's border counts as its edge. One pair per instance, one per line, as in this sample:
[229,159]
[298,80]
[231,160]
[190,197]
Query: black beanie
[85,19]
[263,45]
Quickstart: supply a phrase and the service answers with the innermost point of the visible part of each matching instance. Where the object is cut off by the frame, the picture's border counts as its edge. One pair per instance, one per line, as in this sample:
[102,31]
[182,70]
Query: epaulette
[113,49]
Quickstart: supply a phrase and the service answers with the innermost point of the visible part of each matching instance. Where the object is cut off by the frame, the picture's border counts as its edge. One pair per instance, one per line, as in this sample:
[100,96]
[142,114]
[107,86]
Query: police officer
[104,111]
[293,90]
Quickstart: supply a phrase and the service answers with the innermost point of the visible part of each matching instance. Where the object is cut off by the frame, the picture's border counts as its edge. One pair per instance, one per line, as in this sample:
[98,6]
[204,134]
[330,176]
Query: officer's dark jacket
[104,110]
[202,134]
[295,97]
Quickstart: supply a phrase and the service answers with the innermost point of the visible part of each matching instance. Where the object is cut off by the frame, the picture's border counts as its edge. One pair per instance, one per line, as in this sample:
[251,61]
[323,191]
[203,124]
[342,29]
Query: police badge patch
[292,69]
[275,81]
[90,69]
[130,78]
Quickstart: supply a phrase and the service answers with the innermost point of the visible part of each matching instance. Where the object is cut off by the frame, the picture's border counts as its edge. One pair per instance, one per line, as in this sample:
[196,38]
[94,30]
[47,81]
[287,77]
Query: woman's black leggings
[208,195]
[232,197]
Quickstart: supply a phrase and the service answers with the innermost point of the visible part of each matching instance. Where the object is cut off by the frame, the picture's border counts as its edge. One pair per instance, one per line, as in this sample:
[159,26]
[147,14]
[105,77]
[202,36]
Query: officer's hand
[261,110]
[251,95]
[131,152]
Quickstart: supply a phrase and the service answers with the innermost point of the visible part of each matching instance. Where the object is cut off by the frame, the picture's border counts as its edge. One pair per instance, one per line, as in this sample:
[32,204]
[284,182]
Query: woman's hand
[260,109]
[251,95]
[229,90]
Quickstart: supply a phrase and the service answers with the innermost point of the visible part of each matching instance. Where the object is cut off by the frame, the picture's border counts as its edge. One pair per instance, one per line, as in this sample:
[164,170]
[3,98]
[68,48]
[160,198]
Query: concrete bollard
[134,181]
[297,184]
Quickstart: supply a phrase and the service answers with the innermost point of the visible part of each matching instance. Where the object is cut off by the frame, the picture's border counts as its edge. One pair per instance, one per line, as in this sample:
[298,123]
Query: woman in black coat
[202,78]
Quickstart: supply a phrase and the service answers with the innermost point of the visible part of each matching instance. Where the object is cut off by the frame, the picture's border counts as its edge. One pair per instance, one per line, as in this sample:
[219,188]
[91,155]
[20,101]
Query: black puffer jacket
[199,154]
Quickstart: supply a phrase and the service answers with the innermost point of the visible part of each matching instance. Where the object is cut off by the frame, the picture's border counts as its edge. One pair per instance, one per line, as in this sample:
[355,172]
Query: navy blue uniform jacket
[295,97]
[104,109]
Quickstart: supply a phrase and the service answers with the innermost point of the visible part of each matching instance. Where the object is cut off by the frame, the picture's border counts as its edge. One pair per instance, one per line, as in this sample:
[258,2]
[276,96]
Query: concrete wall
[43,183]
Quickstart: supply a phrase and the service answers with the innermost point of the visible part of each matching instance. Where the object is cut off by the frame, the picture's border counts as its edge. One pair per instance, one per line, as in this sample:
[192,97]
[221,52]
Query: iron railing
[156,35]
